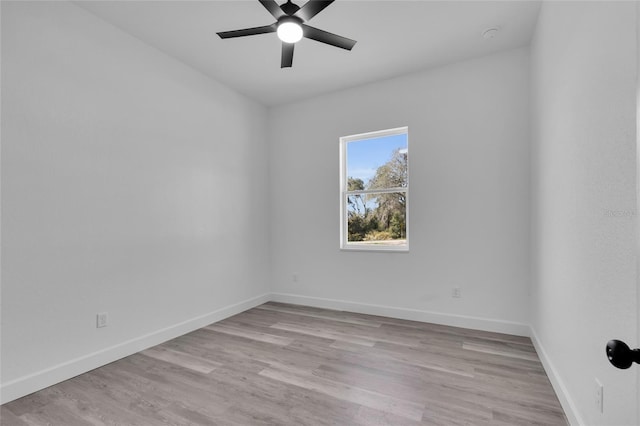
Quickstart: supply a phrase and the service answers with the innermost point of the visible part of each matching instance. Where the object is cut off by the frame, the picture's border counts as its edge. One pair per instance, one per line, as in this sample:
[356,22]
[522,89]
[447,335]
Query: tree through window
[374,187]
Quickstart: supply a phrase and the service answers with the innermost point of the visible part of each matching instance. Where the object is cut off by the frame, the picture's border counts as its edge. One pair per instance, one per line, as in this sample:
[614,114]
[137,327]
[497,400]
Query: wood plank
[367,416]
[406,409]
[487,349]
[7,417]
[56,414]
[324,333]
[182,359]
[250,334]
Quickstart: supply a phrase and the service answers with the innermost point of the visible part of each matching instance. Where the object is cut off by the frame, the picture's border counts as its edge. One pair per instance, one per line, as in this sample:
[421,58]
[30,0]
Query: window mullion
[376,191]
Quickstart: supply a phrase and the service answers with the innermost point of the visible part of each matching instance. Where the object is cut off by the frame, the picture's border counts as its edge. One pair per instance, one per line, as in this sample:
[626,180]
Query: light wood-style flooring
[281,364]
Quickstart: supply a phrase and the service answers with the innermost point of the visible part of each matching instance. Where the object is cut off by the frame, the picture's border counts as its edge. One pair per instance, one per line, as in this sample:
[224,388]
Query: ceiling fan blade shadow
[248,31]
[312,8]
[287,55]
[273,8]
[327,37]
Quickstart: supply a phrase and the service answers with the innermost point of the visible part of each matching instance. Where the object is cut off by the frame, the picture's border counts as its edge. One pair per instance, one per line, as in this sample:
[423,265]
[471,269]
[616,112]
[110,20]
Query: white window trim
[344,244]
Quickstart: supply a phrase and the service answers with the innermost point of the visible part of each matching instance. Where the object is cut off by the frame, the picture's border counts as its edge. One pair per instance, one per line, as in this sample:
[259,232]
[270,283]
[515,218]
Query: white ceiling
[394,38]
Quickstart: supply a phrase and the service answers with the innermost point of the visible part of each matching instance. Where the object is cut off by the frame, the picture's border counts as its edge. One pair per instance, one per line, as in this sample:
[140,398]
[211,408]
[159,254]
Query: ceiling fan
[290,27]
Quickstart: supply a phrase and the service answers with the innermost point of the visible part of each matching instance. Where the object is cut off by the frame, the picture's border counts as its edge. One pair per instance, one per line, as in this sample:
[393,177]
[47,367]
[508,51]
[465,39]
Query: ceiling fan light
[289,32]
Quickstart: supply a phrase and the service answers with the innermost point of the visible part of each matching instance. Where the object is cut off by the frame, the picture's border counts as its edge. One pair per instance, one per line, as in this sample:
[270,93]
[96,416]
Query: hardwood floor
[281,364]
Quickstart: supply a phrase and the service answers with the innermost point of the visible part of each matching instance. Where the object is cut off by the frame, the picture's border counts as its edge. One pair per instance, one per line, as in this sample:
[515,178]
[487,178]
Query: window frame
[344,193]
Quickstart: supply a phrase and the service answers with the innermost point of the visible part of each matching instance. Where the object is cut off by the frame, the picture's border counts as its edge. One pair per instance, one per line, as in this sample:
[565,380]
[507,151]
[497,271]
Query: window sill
[375,248]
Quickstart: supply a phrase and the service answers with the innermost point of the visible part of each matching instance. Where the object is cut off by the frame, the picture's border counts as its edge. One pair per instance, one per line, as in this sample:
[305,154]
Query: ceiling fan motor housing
[289,8]
[292,19]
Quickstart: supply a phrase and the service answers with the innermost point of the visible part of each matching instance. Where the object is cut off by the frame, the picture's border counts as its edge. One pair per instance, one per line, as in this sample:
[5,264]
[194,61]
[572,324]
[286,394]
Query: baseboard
[573,416]
[28,384]
[475,323]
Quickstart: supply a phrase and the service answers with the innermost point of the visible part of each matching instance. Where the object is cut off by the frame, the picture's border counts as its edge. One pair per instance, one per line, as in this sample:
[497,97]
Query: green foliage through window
[376,204]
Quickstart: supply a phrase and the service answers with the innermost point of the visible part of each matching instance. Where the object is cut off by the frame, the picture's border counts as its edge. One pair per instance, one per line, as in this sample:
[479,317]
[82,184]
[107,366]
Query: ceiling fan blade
[287,55]
[312,8]
[248,31]
[273,8]
[328,38]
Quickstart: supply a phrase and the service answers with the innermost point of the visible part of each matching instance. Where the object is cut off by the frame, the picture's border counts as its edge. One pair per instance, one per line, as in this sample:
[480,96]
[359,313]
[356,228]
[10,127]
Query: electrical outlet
[102,319]
[599,396]
[456,292]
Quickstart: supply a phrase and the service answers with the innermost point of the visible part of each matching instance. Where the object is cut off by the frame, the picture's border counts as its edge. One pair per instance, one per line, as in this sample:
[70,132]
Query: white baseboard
[475,323]
[39,380]
[569,407]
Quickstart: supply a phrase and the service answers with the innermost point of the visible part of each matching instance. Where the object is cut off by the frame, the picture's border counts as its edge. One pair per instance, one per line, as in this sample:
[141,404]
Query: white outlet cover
[599,396]
[102,320]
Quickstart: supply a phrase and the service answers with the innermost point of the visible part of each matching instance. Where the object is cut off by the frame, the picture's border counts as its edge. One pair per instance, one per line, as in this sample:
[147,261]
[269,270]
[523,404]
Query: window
[374,187]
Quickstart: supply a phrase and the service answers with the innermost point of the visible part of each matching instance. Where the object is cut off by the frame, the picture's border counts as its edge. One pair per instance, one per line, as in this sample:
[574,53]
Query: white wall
[131,185]
[584,171]
[469,196]
[638,187]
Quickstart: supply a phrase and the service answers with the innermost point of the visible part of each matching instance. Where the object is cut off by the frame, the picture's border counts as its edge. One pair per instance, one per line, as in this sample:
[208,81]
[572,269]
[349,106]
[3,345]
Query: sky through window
[365,156]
